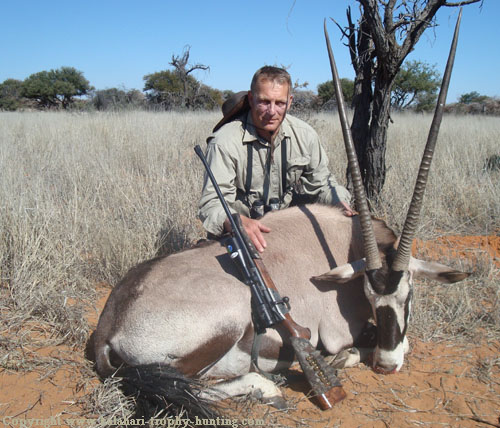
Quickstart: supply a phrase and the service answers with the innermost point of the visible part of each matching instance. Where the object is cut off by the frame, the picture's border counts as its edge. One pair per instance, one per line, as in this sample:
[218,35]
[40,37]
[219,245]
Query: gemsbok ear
[436,271]
[344,273]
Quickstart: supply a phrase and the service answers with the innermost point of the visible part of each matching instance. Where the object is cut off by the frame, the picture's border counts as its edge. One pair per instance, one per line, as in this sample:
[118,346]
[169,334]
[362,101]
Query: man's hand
[254,229]
[347,210]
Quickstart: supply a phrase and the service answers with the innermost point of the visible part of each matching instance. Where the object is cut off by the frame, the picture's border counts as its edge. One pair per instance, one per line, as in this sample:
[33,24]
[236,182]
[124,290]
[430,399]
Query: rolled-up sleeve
[318,181]
[210,209]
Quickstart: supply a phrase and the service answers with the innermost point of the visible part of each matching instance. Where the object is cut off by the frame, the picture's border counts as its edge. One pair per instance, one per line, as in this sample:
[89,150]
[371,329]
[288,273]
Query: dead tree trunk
[374,154]
[361,51]
[183,70]
[387,31]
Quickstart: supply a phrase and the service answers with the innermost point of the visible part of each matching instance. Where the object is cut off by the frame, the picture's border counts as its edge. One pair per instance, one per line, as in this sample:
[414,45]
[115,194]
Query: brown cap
[235,105]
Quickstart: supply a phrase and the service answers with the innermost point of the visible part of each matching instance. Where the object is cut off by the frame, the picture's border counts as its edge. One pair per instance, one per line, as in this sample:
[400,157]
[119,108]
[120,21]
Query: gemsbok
[187,315]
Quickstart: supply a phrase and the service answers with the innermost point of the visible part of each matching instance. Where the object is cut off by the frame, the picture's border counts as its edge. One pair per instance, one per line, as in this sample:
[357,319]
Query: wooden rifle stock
[321,377]
[291,326]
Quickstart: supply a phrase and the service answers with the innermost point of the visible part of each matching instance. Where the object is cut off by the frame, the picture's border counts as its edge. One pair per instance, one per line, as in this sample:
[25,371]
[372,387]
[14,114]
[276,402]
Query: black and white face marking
[391,307]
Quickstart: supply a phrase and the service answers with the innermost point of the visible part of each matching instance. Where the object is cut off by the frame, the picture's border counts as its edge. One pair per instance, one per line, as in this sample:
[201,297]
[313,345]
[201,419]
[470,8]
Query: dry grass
[462,196]
[87,196]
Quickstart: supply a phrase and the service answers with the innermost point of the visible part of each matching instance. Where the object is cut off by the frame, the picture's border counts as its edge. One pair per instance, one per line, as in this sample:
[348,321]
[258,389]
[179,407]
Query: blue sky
[115,43]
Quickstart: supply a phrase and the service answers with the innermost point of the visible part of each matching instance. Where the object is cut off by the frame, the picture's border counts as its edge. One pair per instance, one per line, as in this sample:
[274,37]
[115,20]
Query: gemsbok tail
[161,391]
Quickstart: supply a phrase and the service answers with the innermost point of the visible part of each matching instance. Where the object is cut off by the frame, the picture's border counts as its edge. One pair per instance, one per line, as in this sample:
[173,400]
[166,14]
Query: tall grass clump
[85,197]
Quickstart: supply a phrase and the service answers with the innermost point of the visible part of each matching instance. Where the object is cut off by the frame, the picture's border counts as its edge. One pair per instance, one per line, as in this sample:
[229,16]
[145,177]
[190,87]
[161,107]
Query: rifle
[269,309]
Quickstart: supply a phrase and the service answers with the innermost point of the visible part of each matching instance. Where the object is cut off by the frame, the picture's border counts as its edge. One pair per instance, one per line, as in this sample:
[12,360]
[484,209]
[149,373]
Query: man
[258,153]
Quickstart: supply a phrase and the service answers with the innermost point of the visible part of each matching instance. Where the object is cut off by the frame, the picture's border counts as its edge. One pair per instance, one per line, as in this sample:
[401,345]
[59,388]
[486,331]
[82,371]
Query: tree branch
[421,22]
[198,67]
[410,101]
[352,42]
[462,3]
[342,30]
[388,16]
[370,13]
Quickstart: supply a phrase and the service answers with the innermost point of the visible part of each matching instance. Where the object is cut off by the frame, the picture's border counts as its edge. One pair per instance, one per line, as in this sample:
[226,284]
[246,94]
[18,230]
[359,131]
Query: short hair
[274,74]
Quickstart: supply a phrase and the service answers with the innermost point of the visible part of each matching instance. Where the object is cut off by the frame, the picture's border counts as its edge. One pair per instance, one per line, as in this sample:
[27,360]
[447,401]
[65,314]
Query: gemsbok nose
[385,369]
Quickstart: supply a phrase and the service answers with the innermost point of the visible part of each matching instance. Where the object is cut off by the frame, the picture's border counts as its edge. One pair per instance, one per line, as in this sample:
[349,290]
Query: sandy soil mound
[475,249]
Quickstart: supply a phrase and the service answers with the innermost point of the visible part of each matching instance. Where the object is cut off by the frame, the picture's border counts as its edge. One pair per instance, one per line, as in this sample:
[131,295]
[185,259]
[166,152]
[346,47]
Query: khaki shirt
[227,154]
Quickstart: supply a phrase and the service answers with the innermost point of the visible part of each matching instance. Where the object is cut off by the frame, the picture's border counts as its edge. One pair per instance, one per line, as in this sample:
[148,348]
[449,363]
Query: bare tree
[387,31]
[183,69]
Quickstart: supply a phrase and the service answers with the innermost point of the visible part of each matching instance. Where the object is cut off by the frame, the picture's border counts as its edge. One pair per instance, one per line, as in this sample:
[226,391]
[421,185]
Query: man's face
[269,104]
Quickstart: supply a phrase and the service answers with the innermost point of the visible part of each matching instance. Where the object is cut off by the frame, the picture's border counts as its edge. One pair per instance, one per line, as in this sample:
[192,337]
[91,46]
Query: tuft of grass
[459,311]
[107,401]
[485,370]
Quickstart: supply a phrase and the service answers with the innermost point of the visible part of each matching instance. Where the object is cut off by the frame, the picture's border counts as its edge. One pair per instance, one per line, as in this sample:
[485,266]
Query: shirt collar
[250,135]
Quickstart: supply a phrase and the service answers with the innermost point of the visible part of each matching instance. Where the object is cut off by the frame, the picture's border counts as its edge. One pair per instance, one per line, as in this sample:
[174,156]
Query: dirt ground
[442,384]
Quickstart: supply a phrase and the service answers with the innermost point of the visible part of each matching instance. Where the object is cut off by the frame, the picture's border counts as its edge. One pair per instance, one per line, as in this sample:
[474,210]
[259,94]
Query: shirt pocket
[295,169]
